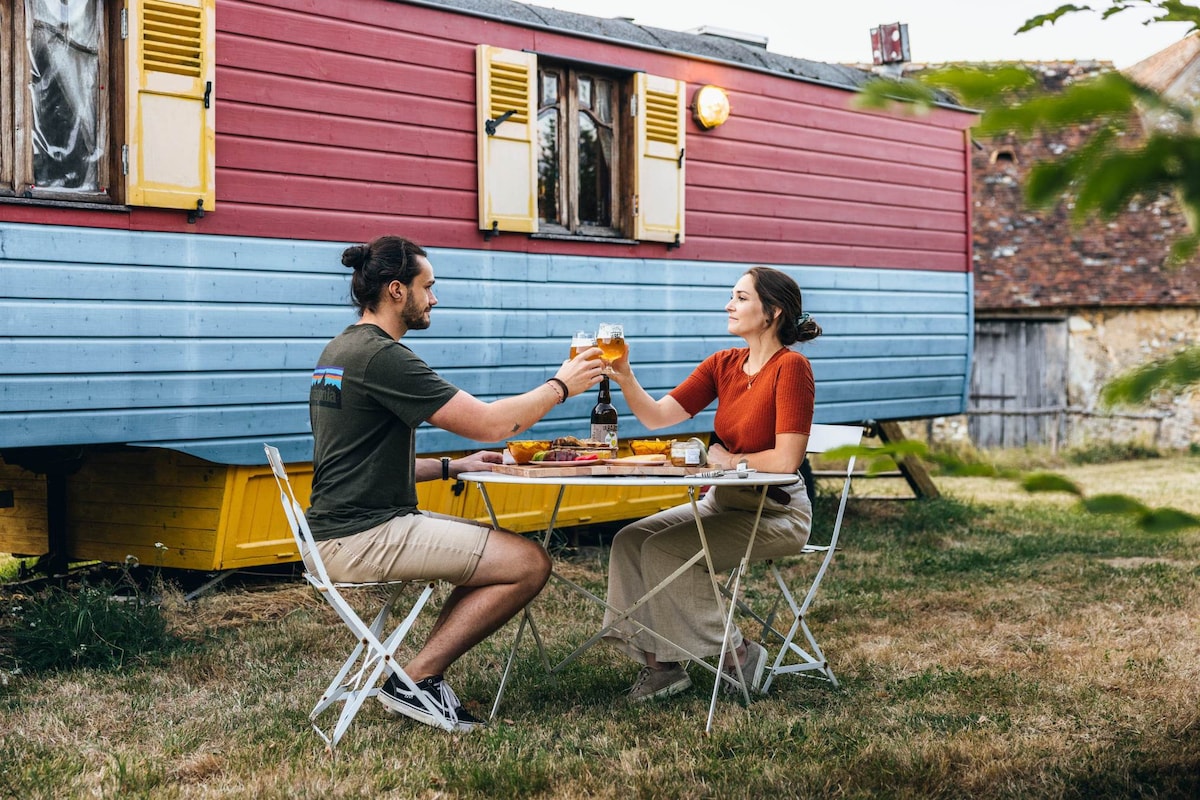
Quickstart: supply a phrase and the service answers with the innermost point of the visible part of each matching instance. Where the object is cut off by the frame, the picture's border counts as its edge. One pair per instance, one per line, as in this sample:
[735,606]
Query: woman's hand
[621,370]
[721,458]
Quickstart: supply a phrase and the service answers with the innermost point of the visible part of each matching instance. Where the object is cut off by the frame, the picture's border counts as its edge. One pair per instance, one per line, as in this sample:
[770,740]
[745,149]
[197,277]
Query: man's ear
[396,290]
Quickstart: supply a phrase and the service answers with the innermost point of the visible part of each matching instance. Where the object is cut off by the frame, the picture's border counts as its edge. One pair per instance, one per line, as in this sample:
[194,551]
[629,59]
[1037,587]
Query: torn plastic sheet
[65,88]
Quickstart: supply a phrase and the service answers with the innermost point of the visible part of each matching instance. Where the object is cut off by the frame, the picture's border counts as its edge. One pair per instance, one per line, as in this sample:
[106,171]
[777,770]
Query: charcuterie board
[567,469]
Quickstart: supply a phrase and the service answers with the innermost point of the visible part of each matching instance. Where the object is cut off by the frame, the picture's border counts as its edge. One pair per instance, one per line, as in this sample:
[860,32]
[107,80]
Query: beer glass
[610,338]
[581,341]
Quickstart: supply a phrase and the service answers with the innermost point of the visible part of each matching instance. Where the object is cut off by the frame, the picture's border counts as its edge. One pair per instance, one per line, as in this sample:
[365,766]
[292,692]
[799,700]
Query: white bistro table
[693,483]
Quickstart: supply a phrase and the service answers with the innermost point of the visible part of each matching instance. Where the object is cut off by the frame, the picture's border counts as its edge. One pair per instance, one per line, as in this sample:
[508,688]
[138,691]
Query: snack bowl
[523,450]
[651,447]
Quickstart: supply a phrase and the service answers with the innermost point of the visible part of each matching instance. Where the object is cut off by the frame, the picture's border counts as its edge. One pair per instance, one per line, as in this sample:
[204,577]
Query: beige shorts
[424,546]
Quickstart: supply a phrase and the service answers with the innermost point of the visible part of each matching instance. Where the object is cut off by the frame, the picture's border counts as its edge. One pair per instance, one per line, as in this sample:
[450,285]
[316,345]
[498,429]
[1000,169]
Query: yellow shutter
[170,120]
[659,163]
[506,83]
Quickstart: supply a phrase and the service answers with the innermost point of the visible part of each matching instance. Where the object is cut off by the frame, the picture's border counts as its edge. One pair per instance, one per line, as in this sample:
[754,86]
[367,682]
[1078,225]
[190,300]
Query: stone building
[1063,307]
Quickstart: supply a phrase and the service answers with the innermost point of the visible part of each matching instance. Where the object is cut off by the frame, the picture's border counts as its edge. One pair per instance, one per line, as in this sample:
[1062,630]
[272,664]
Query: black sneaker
[396,697]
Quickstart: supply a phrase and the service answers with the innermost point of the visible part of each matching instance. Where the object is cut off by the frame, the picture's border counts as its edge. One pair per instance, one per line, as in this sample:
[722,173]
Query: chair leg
[373,659]
[813,661]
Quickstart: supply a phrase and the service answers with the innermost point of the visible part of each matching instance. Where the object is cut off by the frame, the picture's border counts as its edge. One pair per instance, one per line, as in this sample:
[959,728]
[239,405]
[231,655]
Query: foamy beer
[581,341]
[610,338]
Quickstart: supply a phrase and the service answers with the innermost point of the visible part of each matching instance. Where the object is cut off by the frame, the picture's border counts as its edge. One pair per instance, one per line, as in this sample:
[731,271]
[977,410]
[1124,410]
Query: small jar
[685,454]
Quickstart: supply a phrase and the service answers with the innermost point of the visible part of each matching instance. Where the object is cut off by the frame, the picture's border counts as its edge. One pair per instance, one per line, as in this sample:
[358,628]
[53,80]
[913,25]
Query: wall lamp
[710,106]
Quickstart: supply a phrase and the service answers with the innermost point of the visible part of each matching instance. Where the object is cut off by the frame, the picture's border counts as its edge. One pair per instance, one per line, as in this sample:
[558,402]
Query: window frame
[7,59]
[507,142]
[16,149]
[623,133]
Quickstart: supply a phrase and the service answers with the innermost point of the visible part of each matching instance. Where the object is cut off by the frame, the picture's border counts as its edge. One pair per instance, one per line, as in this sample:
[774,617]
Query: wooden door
[1018,382]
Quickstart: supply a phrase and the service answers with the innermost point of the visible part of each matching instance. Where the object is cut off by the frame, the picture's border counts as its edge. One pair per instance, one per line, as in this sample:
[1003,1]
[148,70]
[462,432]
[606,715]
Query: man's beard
[415,319]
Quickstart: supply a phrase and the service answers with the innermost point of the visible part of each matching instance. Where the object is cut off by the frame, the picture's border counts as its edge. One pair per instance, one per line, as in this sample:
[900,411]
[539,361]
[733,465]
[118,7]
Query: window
[57,94]
[573,150]
[579,164]
[108,101]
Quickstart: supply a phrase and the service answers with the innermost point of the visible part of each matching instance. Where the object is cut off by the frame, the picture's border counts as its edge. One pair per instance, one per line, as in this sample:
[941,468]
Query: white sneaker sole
[420,714]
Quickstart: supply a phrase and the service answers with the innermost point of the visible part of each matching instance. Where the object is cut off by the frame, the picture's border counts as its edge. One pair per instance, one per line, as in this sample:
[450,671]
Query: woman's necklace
[750,376]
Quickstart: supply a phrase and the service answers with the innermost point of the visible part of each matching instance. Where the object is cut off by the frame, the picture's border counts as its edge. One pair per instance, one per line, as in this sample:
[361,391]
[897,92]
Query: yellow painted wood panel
[254,529]
[214,517]
[122,503]
[23,527]
[186,549]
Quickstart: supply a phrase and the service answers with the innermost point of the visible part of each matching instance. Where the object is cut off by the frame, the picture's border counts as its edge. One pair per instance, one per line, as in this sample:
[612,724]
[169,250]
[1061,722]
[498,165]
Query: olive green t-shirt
[369,394]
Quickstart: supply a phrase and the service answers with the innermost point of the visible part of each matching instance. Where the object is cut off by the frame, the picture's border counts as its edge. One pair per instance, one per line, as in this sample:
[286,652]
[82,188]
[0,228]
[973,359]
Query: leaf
[911,96]
[880,465]
[974,85]
[1114,504]
[1052,17]
[1049,482]
[1109,97]
[1115,9]
[1167,520]
[1182,250]
[1177,11]
[1174,373]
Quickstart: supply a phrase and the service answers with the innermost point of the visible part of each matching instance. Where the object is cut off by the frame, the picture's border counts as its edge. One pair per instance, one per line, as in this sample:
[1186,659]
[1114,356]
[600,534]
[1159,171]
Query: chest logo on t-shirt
[326,390]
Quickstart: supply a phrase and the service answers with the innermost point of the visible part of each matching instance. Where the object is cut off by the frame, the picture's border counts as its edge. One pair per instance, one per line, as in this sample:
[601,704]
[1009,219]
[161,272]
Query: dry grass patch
[1012,648]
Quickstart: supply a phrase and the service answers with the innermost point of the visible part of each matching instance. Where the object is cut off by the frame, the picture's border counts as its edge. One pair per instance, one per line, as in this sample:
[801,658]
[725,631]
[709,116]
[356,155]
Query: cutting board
[570,470]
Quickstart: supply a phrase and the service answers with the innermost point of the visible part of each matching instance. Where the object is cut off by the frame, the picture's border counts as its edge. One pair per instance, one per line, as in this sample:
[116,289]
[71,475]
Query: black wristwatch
[445,468]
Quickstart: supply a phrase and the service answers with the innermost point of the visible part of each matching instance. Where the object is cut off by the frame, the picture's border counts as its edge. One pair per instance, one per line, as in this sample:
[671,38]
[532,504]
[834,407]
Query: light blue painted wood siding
[205,344]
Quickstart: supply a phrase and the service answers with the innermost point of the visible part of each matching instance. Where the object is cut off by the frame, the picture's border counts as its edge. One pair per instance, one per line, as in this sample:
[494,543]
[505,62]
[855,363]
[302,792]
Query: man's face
[420,300]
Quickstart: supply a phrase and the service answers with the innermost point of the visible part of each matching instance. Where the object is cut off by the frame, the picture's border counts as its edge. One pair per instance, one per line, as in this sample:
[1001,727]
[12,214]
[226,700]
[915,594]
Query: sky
[838,31]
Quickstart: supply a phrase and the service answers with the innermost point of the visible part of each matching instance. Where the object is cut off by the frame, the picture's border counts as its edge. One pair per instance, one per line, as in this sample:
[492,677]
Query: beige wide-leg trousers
[685,611]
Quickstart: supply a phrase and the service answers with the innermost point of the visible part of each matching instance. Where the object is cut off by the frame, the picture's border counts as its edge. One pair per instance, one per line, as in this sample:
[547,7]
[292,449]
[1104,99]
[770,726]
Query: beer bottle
[604,416]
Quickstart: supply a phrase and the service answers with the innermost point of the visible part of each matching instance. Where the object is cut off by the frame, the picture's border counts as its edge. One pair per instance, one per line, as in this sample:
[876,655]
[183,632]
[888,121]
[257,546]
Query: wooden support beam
[912,468]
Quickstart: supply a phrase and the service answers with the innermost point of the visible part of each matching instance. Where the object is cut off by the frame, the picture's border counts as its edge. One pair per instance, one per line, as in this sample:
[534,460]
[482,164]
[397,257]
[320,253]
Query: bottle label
[604,433]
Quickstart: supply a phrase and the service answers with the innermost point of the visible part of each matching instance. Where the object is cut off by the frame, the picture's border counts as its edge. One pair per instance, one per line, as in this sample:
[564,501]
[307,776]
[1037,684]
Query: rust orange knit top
[751,409]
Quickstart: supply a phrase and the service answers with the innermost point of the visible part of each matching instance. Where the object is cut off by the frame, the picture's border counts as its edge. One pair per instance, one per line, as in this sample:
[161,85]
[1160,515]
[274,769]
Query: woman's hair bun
[355,257]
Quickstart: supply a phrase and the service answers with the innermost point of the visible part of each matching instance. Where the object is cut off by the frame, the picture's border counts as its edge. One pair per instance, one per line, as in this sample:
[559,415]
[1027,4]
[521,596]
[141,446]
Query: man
[369,394]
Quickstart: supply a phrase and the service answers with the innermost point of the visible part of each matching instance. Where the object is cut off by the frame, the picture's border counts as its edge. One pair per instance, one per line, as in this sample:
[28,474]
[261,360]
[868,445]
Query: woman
[765,406]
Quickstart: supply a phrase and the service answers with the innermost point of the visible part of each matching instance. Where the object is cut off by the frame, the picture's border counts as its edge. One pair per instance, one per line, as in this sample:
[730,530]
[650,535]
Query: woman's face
[745,309]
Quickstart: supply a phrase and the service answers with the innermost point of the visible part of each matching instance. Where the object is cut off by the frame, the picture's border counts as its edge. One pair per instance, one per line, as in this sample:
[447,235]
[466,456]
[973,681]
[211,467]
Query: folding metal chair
[373,655]
[808,659]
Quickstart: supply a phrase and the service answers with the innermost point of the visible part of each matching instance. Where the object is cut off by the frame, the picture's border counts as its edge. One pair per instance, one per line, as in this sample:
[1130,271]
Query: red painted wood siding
[343,119]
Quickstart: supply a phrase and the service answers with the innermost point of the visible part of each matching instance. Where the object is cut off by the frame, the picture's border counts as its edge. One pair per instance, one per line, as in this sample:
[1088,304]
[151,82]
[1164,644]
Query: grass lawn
[989,644]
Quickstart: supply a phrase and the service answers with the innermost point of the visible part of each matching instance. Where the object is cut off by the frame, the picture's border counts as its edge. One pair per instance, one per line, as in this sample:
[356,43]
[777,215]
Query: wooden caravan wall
[210,350]
[342,120]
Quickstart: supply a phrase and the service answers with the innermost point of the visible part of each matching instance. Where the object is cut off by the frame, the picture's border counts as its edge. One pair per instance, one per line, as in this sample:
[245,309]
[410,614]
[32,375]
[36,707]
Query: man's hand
[582,372]
[481,461]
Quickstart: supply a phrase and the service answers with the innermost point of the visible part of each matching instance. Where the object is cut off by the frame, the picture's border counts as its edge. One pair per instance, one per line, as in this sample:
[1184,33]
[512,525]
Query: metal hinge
[124,23]
[124,159]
